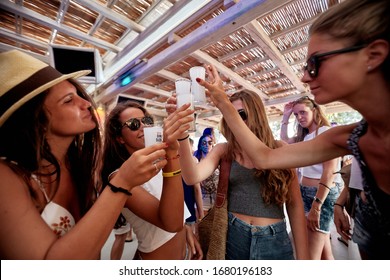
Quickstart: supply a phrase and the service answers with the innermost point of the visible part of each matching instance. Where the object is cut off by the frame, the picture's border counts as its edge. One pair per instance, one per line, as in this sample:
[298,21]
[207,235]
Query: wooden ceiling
[255,44]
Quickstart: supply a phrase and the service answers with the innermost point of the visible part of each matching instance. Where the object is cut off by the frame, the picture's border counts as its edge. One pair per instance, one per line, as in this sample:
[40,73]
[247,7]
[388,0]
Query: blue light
[125,81]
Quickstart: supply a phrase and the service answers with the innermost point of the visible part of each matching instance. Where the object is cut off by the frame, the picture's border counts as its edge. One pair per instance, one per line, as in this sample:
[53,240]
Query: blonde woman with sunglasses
[348,61]
[320,187]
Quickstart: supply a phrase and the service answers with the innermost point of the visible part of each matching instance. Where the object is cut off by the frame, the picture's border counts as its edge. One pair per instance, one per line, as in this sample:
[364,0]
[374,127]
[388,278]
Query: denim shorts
[308,194]
[247,242]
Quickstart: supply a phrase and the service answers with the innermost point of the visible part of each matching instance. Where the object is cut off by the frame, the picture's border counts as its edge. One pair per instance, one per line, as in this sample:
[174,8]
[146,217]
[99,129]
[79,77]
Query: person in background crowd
[193,200]
[122,230]
[157,207]
[209,131]
[348,61]
[210,184]
[49,159]
[320,187]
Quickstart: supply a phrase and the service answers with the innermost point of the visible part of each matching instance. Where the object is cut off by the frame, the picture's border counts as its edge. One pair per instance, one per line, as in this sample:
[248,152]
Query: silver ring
[155,166]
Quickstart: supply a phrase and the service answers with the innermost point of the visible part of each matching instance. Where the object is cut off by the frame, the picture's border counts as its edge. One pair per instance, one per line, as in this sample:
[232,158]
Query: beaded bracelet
[171,174]
[182,139]
[117,189]
[322,184]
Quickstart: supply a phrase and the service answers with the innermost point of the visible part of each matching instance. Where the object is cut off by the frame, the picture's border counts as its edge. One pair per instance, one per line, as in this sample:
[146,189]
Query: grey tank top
[244,194]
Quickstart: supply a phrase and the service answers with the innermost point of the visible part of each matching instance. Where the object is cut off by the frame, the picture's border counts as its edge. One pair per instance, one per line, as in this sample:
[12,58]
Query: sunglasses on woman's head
[313,64]
[305,98]
[242,114]
[135,123]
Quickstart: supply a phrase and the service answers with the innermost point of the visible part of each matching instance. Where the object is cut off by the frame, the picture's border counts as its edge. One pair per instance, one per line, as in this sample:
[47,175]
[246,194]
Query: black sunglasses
[135,123]
[242,114]
[313,64]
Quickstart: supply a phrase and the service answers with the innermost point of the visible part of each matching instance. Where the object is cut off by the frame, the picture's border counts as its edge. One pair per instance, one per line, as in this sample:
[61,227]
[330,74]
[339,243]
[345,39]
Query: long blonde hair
[319,117]
[276,181]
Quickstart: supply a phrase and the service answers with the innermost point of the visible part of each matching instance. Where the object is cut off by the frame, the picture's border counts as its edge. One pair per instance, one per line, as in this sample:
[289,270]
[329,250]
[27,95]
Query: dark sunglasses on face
[242,114]
[313,64]
[135,123]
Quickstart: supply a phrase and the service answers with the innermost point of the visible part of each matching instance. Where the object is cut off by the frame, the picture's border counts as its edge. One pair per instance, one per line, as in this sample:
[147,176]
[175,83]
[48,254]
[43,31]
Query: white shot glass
[183,96]
[198,90]
[153,135]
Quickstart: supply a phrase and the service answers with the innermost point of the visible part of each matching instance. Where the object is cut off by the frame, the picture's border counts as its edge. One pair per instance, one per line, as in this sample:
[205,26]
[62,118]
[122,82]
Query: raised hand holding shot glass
[183,96]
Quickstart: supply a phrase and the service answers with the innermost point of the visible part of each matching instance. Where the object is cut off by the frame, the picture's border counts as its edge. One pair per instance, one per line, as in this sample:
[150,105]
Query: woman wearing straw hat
[49,149]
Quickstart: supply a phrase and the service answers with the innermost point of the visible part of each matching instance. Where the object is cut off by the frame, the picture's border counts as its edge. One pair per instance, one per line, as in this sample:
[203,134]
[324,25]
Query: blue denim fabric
[247,242]
[327,209]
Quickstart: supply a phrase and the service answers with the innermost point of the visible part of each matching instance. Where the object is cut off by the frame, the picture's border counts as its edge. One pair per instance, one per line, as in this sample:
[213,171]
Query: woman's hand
[215,90]
[313,219]
[141,166]
[170,105]
[193,244]
[342,222]
[177,125]
[287,111]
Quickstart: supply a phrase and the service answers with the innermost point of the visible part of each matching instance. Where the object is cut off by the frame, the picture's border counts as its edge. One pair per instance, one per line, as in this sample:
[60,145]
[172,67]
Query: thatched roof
[257,45]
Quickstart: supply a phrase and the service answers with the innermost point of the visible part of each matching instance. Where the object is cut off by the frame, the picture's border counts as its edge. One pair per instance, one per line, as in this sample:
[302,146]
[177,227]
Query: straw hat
[23,77]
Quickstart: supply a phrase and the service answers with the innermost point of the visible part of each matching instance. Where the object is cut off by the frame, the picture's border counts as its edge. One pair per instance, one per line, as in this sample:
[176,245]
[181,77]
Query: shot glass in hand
[197,90]
[183,96]
[153,135]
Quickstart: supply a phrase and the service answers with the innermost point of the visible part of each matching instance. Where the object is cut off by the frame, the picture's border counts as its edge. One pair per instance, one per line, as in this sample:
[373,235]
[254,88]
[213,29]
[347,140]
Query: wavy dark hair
[276,181]
[23,141]
[114,153]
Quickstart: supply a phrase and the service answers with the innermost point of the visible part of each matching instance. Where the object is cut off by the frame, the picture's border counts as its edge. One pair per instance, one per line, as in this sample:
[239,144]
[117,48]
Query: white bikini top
[59,219]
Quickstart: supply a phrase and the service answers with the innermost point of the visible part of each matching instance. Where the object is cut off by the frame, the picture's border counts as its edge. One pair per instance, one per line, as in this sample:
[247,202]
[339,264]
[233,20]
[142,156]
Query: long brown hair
[276,181]
[115,153]
[23,144]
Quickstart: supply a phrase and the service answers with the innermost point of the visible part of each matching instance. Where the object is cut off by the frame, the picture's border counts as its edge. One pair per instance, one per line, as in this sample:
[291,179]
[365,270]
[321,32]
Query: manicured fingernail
[198,79]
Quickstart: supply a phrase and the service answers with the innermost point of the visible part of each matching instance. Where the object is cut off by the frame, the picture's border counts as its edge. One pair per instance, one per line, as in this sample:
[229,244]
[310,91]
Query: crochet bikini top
[376,208]
[59,219]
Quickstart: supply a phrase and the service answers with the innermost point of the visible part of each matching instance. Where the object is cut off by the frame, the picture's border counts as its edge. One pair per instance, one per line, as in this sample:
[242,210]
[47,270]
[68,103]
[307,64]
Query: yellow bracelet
[171,174]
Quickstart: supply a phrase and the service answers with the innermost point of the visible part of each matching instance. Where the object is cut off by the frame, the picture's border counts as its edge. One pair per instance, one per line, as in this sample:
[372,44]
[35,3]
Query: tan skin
[346,78]
[166,213]
[69,115]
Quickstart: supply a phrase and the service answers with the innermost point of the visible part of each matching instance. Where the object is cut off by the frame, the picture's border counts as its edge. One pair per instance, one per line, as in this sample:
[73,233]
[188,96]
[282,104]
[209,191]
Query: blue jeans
[247,242]
[327,209]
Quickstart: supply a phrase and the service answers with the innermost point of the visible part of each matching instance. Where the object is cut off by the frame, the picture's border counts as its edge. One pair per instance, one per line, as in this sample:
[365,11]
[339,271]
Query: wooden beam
[213,30]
